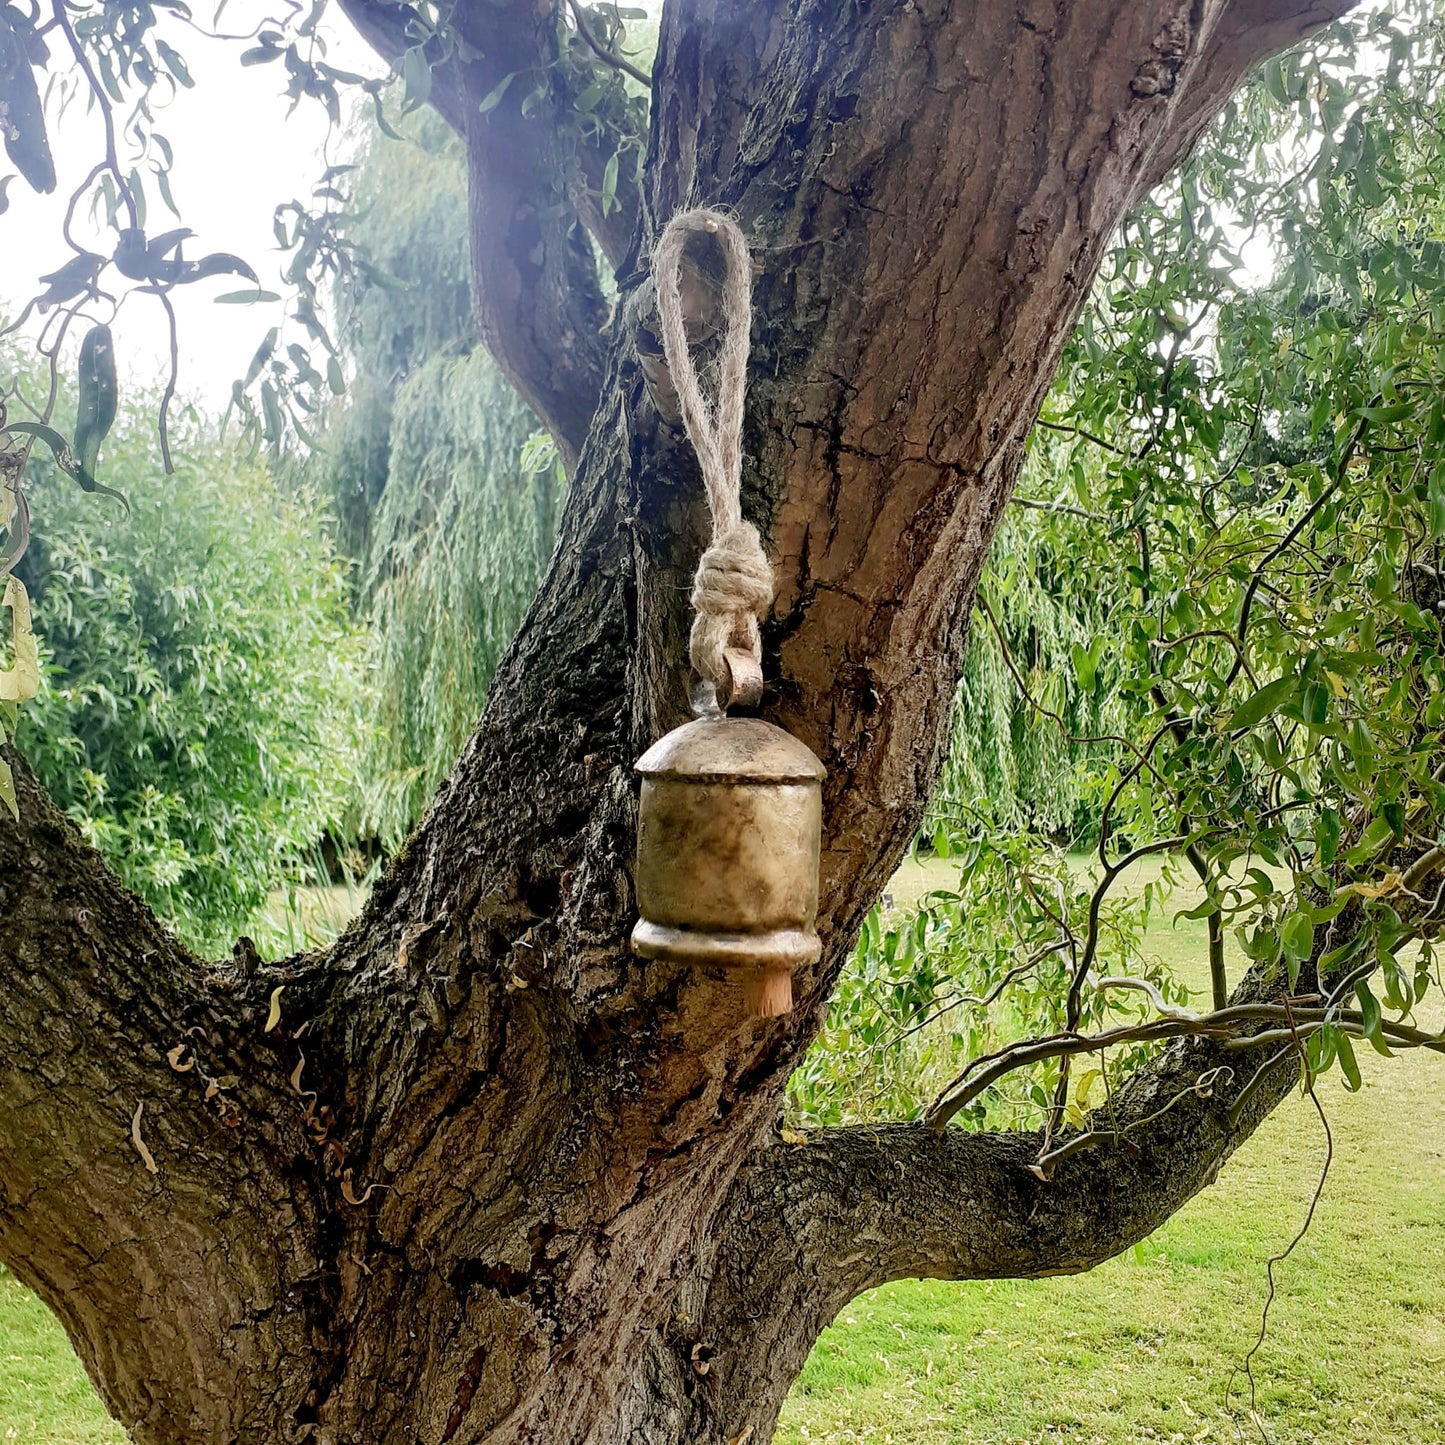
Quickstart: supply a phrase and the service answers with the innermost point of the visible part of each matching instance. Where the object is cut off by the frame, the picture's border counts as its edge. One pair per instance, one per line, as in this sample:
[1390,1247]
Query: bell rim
[781,949]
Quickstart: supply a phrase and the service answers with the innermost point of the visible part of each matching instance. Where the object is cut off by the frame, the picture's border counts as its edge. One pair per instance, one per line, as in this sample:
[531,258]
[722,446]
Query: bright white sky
[237,156]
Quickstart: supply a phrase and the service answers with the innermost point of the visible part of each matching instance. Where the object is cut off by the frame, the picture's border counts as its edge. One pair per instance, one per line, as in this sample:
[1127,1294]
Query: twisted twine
[733,588]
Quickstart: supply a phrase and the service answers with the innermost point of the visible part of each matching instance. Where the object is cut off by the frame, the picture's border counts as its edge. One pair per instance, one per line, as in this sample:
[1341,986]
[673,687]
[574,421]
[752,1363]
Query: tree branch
[808,1228]
[539,302]
[617,62]
[1245,34]
[385,27]
[143,1116]
[538,299]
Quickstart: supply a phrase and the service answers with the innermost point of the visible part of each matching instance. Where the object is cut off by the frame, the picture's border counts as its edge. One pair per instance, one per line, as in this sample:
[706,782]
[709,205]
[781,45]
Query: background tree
[446,509]
[580,1207]
[199,715]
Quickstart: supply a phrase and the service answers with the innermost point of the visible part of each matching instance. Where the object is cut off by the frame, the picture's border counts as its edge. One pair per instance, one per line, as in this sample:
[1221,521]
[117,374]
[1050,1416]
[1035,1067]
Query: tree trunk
[487,1177]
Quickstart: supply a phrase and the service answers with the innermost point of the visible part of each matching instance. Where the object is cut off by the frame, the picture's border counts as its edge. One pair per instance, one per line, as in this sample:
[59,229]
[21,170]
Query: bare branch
[1062,509]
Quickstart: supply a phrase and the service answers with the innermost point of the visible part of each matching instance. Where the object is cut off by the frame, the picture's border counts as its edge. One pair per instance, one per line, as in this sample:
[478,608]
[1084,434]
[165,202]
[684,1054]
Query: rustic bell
[730,825]
[727,855]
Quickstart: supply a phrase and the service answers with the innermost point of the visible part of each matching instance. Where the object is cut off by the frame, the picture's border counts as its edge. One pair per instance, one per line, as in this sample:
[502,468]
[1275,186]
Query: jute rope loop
[733,588]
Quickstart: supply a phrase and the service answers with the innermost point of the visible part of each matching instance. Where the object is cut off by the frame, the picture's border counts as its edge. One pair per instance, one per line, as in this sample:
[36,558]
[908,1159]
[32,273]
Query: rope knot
[734,575]
[733,587]
[731,592]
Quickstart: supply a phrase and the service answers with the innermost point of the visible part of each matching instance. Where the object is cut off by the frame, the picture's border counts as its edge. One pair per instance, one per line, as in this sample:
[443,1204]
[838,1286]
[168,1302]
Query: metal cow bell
[727,855]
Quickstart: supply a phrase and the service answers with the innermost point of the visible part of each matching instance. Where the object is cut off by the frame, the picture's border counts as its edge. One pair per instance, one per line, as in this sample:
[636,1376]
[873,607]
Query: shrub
[198,715]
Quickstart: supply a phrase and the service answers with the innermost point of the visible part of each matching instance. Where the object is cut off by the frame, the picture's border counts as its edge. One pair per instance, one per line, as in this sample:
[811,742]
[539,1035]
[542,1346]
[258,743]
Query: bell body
[728,840]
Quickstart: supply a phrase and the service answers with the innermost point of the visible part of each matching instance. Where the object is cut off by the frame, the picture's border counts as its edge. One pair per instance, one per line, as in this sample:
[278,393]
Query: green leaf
[1086,665]
[1273,73]
[493,98]
[1366,172]
[417,74]
[173,62]
[26,141]
[163,184]
[1270,698]
[274,428]
[1436,494]
[262,356]
[65,458]
[1349,1066]
[1321,1050]
[95,412]
[609,183]
[1297,934]
[245,298]
[1371,841]
[220,263]
[1315,705]
[137,194]
[1371,1018]
[1384,415]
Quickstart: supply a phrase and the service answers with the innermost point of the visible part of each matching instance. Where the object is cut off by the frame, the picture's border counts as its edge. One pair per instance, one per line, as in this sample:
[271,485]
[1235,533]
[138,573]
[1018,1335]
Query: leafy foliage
[464,529]
[453,591]
[128,60]
[1023,737]
[971,968]
[201,680]
[1240,541]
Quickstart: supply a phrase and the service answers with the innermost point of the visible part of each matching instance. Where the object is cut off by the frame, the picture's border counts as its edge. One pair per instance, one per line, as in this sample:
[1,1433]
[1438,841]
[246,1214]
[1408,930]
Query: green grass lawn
[1142,1348]
[1139,1350]
[45,1397]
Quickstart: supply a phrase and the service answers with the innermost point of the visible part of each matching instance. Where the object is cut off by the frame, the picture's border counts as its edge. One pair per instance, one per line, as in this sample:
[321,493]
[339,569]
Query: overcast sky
[237,155]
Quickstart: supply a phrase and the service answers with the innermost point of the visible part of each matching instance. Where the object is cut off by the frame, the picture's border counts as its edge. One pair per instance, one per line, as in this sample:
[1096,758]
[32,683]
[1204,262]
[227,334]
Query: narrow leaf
[1268,699]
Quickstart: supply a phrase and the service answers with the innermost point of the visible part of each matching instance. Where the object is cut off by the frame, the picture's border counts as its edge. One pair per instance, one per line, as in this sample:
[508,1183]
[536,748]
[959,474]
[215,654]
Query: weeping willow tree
[448,513]
[459,540]
[1037,695]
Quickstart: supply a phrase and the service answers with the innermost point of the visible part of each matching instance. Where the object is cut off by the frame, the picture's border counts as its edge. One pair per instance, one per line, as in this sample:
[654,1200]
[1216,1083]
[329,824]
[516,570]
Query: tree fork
[486,1178]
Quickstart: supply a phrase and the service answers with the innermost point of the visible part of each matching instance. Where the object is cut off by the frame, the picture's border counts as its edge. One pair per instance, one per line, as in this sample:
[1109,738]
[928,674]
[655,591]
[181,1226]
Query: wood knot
[1155,77]
[246,956]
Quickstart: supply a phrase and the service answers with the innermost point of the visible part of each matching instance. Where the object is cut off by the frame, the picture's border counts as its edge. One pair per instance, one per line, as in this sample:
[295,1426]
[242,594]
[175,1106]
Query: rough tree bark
[489,1178]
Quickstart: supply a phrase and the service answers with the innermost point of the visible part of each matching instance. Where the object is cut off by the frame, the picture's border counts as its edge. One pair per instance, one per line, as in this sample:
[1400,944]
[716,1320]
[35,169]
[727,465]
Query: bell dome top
[743,748]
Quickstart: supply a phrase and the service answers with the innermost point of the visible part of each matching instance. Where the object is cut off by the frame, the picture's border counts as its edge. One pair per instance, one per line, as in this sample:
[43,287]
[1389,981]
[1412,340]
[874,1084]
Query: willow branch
[617,62]
[1224,1025]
